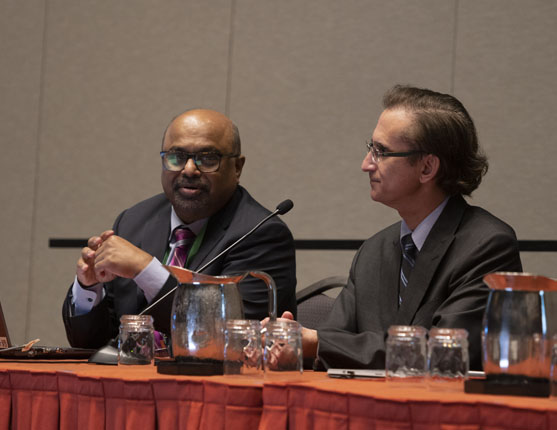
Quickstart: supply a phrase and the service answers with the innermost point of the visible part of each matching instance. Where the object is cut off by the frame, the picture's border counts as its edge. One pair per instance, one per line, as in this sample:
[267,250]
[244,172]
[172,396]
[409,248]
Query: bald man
[120,271]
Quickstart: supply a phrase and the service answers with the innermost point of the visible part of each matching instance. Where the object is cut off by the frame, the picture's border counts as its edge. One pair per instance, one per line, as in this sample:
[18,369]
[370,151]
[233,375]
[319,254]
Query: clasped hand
[107,256]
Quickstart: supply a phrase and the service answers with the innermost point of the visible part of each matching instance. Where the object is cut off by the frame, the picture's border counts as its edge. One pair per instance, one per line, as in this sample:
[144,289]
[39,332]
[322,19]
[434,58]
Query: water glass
[406,353]
[243,354]
[136,341]
[553,369]
[447,356]
[283,347]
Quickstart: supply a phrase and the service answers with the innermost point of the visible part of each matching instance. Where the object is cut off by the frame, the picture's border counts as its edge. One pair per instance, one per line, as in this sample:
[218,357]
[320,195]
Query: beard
[193,205]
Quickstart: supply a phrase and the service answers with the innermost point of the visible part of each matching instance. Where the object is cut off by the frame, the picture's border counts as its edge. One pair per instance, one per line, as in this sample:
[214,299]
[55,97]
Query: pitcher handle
[272,291]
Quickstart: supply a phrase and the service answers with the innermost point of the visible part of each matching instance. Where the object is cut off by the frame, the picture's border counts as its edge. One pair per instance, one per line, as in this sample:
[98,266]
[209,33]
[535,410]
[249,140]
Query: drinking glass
[283,347]
[553,368]
[136,340]
[242,348]
[406,353]
[447,357]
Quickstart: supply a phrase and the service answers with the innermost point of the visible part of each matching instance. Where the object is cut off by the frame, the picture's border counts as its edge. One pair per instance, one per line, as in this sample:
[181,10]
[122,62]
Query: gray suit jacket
[147,225]
[445,288]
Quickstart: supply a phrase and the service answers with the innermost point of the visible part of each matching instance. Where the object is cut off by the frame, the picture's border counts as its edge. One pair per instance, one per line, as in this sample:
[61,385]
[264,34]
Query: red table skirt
[82,396]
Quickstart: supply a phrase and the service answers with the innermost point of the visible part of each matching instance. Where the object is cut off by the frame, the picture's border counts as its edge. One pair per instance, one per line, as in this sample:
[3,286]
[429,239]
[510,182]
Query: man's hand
[117,257]
[107,256]
[85,270]
[309,336]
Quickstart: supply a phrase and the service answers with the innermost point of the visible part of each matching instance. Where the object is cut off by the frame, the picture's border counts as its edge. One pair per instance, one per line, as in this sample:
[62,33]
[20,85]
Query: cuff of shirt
[83,299]
[151,279]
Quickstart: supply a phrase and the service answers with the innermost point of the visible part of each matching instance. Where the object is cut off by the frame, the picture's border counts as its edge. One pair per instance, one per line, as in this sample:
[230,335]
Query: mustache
[188,183]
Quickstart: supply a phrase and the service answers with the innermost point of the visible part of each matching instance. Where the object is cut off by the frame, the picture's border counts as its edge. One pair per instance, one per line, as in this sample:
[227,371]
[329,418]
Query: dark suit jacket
[147,225]
[445,288]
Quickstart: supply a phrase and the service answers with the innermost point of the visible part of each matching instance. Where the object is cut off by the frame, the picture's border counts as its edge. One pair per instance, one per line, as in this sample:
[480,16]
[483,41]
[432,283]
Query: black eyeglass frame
[185,156]
[378,155]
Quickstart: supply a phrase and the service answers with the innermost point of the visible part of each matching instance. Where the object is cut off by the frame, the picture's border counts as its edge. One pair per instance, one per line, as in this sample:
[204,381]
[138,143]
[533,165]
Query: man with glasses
[203,211]
[427,269]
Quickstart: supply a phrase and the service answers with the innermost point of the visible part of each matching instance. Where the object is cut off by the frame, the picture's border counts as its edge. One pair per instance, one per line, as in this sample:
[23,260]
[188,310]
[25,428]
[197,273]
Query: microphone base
[107,355]
[195,367]
[509,385]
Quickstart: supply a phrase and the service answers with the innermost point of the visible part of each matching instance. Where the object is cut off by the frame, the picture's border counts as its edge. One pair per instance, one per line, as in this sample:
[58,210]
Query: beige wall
[88,87]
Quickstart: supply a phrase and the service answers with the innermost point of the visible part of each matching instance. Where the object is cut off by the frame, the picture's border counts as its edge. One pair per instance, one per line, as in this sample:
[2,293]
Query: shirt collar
[420,233]
[175,222]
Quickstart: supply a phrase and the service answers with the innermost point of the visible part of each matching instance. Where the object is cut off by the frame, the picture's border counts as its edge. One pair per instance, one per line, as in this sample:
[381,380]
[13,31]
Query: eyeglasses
[377,154]
[205,162]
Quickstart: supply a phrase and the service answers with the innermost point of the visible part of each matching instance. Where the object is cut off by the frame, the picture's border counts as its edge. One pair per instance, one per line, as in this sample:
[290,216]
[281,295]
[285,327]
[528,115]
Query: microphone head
[284,206]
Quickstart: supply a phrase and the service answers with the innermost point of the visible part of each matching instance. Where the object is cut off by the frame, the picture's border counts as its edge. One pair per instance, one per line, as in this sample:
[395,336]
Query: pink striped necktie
[183,238]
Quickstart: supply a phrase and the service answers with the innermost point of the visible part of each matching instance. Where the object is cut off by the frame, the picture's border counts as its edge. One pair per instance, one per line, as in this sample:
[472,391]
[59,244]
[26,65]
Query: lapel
[438,241]
[156,233]
[216,228]
[388,277]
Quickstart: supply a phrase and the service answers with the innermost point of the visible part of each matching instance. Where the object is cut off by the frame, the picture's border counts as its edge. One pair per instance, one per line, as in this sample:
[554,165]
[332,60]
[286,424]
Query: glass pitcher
[519,320]
[202,304]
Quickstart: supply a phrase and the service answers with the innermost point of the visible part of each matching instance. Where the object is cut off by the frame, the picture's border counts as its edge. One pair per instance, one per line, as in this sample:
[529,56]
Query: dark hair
[236,142]
[442,127]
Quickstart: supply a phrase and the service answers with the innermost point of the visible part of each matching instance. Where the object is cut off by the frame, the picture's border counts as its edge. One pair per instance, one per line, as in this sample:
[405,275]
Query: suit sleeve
[95,328]
[467,294]
[341,344]
[90,330]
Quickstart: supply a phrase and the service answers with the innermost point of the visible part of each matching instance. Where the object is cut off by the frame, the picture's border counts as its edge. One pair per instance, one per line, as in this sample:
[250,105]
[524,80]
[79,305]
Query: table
[69,395]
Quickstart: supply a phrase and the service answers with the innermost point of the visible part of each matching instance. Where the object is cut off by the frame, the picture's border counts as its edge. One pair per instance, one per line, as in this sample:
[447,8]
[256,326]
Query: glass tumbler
[447,355]
[406,353]
[136,340]
[553,368]
[283,347]
[243,354]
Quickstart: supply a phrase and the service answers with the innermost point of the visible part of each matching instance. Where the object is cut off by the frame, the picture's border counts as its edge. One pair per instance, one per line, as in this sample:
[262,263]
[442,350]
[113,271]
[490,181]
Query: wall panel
[87,89]
[21,40]
[506,64]
[114,77]
[307,81]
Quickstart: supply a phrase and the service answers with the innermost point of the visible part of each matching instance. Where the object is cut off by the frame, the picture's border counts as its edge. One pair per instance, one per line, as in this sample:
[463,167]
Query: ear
[430,167]
[239,164]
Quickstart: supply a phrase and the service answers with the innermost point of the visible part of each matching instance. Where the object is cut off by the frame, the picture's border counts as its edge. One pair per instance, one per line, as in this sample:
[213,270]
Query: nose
[190,169]
[368,165]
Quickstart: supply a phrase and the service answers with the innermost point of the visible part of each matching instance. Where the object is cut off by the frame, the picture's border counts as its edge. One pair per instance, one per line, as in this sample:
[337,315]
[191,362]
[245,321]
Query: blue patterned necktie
[184,238]
[409,252]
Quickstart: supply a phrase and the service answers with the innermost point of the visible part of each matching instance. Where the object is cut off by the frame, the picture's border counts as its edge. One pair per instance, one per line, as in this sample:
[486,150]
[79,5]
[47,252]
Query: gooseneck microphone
[108,354]
[282,208]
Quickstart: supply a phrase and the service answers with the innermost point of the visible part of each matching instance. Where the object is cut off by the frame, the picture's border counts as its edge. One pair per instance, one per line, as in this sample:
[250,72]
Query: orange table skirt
[59,395]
